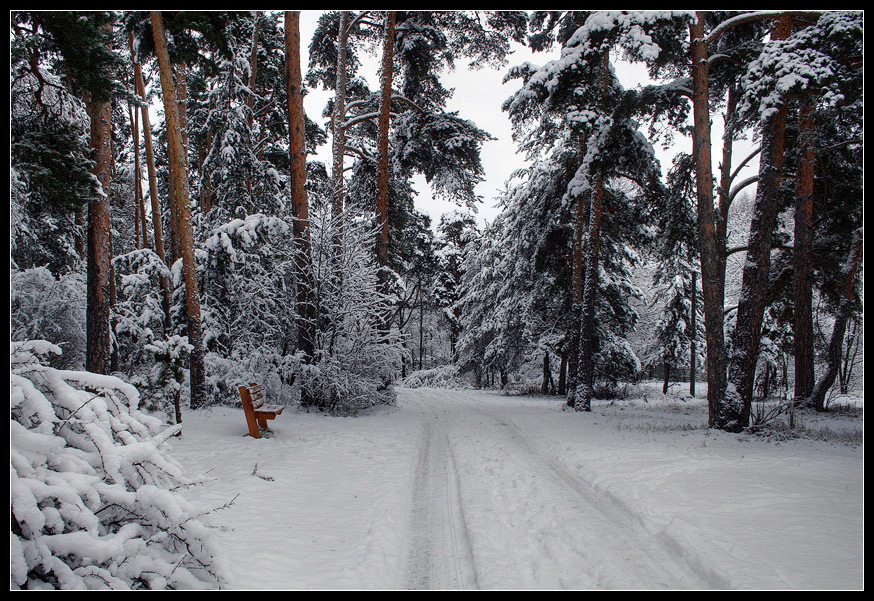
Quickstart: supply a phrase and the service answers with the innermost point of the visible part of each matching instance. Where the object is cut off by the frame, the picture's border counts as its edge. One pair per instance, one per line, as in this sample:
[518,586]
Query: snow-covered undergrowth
[443,376]
[95,501]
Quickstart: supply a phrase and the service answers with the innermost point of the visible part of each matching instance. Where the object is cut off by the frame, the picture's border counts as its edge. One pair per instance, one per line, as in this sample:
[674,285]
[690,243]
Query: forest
[176,233]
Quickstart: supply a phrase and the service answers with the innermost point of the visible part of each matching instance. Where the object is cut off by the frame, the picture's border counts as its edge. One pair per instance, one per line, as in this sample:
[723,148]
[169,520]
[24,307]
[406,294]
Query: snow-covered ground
[457,489]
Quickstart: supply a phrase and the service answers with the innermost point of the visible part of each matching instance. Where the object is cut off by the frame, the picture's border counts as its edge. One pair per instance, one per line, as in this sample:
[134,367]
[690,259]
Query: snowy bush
[444,376]
[271,369]
[356,359]
[94,501]
[51,308]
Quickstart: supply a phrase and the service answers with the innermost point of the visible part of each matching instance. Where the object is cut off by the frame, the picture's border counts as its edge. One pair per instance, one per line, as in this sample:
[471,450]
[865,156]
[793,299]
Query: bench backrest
[256,394]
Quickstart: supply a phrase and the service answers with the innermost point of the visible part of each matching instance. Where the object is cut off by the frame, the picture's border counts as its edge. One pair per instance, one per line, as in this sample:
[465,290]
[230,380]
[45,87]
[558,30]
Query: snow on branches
[94,500]
[812,60]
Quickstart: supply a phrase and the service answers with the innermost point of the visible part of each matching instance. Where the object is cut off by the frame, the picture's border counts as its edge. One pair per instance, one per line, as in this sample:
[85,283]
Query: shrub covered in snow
[43,306]
[94,501]
[443,376]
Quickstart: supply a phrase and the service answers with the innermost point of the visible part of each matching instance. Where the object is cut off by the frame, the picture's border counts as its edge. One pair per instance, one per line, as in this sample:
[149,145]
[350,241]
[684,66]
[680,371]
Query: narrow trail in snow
[440,555]
[514,517]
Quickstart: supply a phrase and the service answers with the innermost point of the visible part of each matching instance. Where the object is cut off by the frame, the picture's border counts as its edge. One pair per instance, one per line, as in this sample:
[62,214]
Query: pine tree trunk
[421,324]
[253,68]
[300,205]
[98,244]
[141,227]
[339,136]
[577,269]
[827,379]
[157,212]
[693,335]
[382,167]
[712,245]
[547,375]
[802,280]
[586,361]
[735,412]
[179,176]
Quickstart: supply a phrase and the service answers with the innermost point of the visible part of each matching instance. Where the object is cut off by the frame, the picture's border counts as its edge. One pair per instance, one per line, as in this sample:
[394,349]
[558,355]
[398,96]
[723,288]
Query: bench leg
[262,421]
[254,432]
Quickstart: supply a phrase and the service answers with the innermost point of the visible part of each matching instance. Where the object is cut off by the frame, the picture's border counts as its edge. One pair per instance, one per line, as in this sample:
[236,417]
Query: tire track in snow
[439,549]
[669,564]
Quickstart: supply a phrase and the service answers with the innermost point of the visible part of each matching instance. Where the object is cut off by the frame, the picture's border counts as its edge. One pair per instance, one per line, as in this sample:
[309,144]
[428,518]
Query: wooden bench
[257,413]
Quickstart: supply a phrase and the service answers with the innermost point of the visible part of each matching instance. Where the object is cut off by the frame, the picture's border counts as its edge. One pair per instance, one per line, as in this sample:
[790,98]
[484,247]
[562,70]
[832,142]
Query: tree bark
[179,176]
[693,335]
[300,205]
[546,385]
[735,412]
[157,212]
[827,379]
[253,67]
[586,361]
[803,280]
[580,220]
[339,135]
[712,246]
[382,176]
[98,245]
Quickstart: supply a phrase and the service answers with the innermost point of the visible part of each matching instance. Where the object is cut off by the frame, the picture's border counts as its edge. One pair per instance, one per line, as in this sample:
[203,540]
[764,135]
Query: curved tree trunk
[827,379]
[735,412]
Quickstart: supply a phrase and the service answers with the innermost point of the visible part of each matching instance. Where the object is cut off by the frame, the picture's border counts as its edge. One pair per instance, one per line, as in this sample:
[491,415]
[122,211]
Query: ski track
[548,529]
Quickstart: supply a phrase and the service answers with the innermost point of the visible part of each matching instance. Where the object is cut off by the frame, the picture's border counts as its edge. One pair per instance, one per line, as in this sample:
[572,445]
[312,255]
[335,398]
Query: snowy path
[527,514]
[473,490]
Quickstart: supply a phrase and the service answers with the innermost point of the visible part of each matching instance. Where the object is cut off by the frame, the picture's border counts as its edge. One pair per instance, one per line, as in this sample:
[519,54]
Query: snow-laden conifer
[94,499]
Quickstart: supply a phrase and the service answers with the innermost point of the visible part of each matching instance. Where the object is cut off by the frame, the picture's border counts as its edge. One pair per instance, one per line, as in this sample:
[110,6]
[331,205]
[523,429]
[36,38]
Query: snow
[465,489]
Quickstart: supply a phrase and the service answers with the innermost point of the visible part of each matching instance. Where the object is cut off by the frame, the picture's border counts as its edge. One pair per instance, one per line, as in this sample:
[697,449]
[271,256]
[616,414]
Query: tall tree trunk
[98,245]
[300,206]
[580,219]
[586,361]
[735,413]
[421,323]
[827,379]
[382,168]
[157,212]
[141,227]
[205,198]
[253,67]
[803,280]
[712,245]
[693,334]
[339,136]
[180,177]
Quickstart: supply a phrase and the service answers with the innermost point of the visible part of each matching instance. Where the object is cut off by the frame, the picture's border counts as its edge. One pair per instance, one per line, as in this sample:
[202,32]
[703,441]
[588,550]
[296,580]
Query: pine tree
[300,204]
[179,176]
[599,127]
